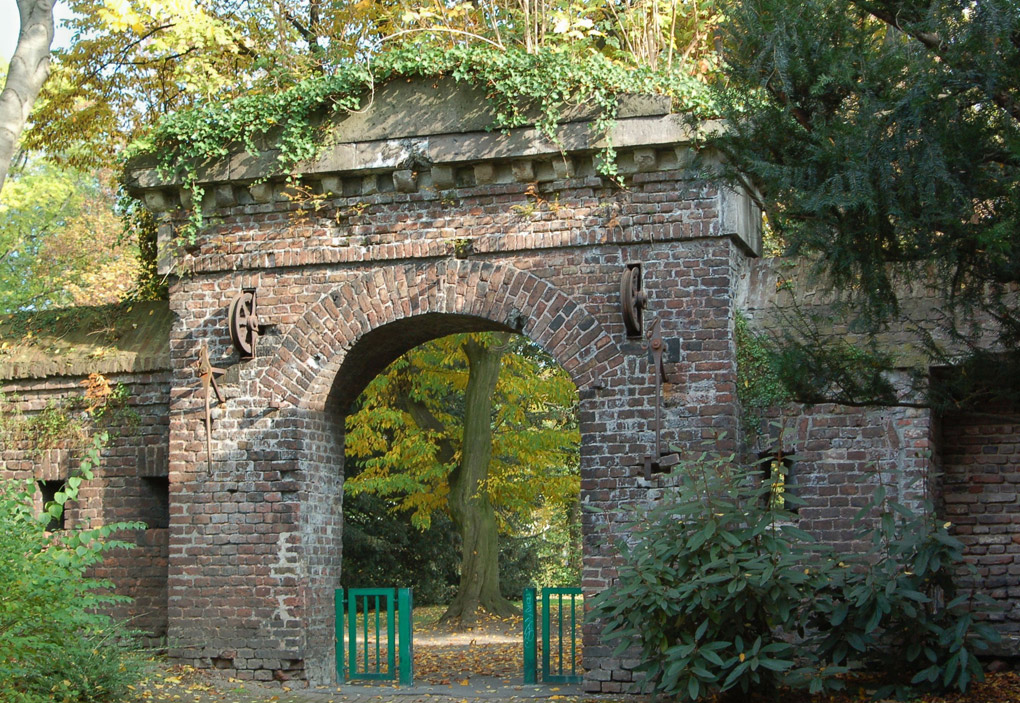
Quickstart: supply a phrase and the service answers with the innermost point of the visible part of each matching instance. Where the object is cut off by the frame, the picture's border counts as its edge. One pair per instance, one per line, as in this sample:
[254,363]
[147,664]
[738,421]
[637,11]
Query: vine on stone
[517,85]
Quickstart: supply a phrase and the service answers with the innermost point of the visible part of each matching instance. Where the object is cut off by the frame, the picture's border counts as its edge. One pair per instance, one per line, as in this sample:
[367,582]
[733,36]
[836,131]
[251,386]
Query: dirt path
[482,663]
[166,684]
[491,649]
[185,685]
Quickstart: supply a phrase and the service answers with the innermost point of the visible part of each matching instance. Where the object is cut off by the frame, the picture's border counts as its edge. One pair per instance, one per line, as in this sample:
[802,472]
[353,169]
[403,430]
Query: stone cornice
[420,125]
[425,138]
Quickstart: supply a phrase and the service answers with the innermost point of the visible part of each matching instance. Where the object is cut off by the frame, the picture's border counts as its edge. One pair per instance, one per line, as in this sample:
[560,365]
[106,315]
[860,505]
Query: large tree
[29,69]
[884,139]
[481,427]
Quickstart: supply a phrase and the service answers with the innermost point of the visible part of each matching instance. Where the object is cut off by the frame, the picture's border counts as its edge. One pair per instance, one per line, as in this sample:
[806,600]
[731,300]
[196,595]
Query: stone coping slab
[417,123]
[123,338]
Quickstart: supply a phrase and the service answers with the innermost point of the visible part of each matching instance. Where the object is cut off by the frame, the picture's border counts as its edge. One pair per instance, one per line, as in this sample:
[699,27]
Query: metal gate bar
[564,671]
[365,658]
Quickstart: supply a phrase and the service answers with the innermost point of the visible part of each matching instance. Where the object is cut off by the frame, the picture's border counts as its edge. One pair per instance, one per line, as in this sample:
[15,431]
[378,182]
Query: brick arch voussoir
[312,351]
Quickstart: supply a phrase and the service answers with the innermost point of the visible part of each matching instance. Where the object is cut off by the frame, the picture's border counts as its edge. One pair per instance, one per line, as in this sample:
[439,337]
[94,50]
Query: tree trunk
[29,69]
[470,509]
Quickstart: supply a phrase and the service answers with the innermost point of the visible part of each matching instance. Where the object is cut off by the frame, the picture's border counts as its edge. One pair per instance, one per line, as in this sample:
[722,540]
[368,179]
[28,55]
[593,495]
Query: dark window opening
[777,472]
[157,503]
[49,491]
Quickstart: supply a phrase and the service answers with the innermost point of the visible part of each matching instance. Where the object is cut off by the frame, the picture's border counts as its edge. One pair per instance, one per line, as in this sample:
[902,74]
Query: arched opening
[462,481]
[326,359]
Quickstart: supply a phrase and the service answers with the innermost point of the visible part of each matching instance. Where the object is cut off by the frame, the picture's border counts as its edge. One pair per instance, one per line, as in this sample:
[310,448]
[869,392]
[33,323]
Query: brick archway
[351,334]
[421,222]
[485,295]
[413,235]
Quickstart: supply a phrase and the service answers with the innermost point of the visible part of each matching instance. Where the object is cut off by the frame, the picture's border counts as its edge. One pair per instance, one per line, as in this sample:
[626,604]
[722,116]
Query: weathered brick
[243,575]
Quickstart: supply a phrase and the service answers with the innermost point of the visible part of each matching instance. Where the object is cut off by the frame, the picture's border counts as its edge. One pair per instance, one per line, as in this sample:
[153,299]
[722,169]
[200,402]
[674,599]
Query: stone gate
[414,226]
[417,223]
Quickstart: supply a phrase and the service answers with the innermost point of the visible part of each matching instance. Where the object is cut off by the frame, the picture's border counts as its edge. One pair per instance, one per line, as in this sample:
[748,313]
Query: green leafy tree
[61,241]
[884,139]
[480,427]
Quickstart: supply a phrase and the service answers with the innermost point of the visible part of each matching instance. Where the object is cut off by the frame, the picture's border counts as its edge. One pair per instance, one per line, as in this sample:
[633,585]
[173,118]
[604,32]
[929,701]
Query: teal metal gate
[561,617]
[382,617]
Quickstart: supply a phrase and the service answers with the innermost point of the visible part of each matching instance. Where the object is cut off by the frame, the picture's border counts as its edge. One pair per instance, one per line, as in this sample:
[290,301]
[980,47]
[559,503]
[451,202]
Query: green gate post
[530,654]
[338,629]
[405,617]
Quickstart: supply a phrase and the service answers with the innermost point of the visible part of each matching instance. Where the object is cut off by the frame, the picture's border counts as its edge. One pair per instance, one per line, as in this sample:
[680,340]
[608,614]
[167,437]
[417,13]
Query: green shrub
[710,581]
[898,609]
[722,593]
[55,645]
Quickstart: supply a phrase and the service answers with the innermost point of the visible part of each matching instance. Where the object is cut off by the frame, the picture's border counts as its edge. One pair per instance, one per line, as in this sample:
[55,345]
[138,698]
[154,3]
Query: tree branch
[305,31]
[937,45]
[427,422]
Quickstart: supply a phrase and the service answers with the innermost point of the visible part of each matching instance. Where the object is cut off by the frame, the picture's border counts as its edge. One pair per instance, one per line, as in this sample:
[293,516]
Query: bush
[897,607]
[710,580]
[55,645]
[723,594]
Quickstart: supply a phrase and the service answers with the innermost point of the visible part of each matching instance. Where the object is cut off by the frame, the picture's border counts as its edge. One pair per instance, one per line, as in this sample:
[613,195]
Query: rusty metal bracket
[659,462]
[244,323]
[207,374]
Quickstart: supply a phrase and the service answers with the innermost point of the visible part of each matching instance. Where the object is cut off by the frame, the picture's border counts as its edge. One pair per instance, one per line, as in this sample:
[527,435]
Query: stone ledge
[771,289]
[425,152]
[423,178]
[138,343]
[407,122]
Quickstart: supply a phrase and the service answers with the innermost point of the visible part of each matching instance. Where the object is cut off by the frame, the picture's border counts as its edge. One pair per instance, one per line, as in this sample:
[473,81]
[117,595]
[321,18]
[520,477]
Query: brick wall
[980,454]
[841,454]
[343,290]
[129,486]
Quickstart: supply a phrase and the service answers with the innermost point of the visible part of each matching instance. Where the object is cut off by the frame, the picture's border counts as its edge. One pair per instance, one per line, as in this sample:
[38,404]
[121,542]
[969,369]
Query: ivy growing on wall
[759,386]
[68,422]
[521,88]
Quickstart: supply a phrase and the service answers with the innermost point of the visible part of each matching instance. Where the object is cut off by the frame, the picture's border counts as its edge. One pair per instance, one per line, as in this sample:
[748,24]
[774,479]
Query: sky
[10,25]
